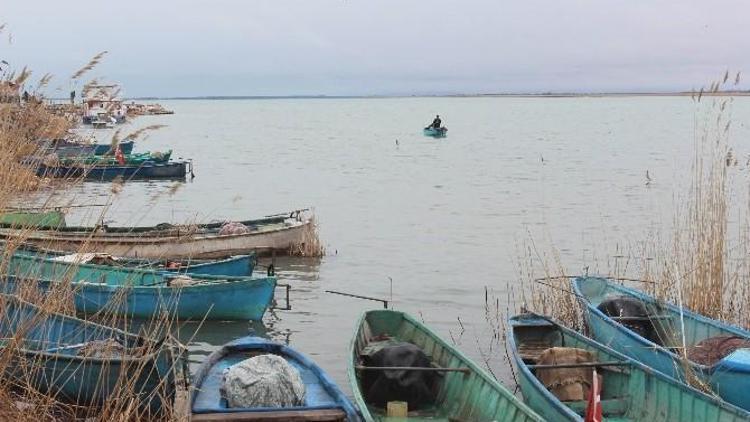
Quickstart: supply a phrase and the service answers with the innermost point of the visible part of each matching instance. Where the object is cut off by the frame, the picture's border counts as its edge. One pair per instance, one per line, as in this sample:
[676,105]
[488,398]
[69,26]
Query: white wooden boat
[279,234]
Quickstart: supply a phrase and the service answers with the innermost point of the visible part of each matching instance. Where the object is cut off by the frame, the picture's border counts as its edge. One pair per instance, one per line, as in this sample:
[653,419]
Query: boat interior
[658,322]
[453,386]
[209,404]
[534,339]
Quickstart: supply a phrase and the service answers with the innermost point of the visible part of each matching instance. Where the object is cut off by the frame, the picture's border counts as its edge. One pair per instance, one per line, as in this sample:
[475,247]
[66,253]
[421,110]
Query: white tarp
[263,381]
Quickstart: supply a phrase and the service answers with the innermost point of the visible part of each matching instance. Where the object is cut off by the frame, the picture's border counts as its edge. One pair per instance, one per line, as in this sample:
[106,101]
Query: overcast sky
[364,47]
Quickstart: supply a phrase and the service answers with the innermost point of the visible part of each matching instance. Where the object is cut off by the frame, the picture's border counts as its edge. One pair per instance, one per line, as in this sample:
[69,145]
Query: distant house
[101,104]
[10,92]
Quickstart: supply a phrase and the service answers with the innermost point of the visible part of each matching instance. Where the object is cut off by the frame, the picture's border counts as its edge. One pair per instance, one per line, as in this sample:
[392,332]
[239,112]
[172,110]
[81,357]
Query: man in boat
[437,122]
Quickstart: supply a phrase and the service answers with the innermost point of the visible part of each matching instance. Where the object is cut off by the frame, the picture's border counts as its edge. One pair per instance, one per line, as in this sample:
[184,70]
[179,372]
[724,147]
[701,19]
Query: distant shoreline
[545,95]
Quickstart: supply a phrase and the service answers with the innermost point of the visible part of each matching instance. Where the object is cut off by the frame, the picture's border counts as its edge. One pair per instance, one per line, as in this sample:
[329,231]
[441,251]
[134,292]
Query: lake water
[441,218]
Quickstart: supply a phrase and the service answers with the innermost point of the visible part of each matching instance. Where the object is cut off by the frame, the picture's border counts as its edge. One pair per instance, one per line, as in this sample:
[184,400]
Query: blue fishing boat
[654,336]
[84,363]
[440,132]
[323,401]
[630,390]
[148,170]
[144,293]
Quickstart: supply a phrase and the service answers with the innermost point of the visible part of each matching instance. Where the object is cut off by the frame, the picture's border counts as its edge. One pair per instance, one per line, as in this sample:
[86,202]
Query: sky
[380,47]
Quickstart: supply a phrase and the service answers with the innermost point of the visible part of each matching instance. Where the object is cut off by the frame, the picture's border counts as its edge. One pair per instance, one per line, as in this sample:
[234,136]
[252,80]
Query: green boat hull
[630,391]
[46,219]
[474,396]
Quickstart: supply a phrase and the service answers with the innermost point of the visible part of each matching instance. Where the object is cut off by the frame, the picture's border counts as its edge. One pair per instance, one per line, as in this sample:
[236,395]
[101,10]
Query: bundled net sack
[233,227]
[263,381]
[418,388]
[567,384]
[713,349]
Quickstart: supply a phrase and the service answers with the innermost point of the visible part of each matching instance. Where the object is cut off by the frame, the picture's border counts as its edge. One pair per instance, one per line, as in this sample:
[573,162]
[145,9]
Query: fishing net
[713,349]
[263,381]
[233,227]
[567,384]
[418,388]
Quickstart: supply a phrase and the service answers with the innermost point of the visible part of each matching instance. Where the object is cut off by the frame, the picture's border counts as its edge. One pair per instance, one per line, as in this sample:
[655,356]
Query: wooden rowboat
[172,170]
[324,401]
[729,376]
[143,293]
[630,390]
[84,363]
[203,241]
[236,265]
[463,391]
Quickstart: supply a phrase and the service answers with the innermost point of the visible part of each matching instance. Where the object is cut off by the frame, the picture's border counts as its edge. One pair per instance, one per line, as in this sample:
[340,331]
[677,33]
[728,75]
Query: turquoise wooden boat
[630,391]
[729,377]
[465,391]
[238,265]
[143,293]
[324,401]
[53,352]
[436,132]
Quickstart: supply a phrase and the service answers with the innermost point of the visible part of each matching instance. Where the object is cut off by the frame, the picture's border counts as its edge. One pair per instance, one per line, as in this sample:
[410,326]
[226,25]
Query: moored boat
[137,159]
[440,132]
[323,400]
[630,391]
[278,233]
[84,363]
[654,331]
[69,148]
[146,170]
[454,387]
[143,293]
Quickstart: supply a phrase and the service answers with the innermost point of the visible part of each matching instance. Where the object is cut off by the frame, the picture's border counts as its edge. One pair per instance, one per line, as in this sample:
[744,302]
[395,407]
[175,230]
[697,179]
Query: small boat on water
[323,400]
[556,368]
[177,170]
[237,265]
[440,132]
[84,363]
[281,233]
[26,218]
[445,386]
[650,332]
[142,293]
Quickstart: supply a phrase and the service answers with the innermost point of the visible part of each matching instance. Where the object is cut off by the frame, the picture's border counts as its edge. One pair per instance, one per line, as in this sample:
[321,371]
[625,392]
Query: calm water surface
[441,218]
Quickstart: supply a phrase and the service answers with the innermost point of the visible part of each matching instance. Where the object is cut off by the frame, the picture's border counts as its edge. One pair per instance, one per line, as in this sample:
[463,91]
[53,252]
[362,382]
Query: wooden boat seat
[282,415]
[531,350]
[643,318]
